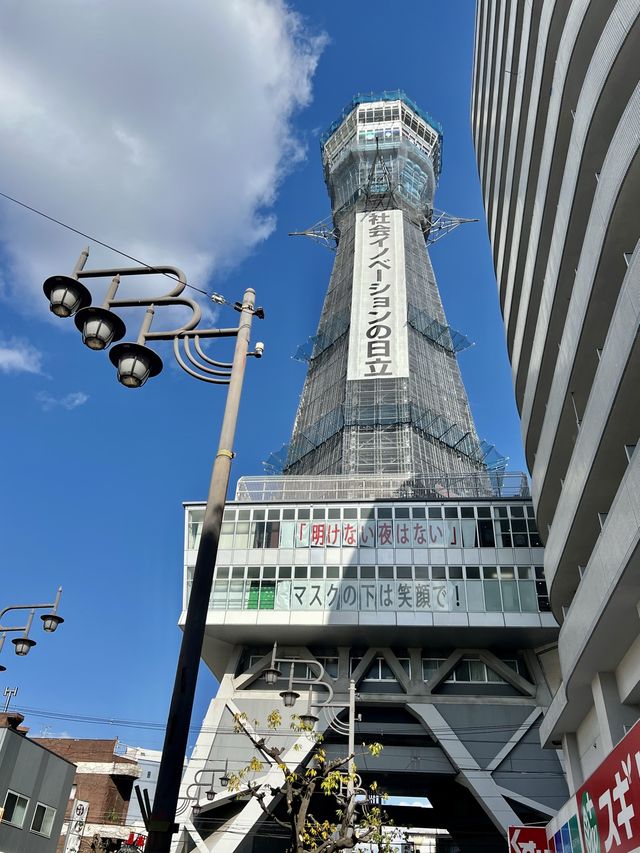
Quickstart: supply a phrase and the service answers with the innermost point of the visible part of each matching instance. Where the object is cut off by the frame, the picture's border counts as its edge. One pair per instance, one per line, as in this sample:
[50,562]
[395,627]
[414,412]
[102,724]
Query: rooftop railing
[486,485]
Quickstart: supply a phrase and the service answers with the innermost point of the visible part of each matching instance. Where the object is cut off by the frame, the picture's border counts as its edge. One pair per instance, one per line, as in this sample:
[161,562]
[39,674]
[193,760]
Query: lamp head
[99,327]
[50,622]
[210,794]
[271,675]
[288,697]
[135,364]
[66,295]
[23,645]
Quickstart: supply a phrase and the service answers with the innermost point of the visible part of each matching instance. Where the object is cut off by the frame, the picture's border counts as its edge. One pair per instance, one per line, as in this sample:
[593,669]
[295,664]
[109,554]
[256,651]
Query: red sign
[528,839]
[609,801]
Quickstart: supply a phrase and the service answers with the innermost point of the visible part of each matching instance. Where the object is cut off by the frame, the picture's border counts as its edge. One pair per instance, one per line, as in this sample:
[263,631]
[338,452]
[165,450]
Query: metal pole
[352,735]
[162,823]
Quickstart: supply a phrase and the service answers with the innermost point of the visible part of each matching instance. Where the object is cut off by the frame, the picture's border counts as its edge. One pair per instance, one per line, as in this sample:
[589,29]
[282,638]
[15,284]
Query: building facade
[35,784]
[556,124]
[393,550]
[104,780]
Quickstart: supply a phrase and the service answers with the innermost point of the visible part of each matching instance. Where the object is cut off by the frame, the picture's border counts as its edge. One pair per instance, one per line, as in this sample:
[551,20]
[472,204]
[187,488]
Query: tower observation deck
[392,548]
[383,393]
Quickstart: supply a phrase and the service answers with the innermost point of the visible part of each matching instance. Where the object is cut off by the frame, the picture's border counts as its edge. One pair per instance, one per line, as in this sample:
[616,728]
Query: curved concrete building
[556,124]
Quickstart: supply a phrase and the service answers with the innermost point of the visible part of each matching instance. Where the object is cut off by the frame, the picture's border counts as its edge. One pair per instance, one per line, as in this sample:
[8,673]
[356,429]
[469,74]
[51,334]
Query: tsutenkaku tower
[383,392]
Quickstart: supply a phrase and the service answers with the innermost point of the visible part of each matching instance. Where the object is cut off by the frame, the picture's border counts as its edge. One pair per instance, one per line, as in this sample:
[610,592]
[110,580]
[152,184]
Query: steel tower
[383,392]
[393,550]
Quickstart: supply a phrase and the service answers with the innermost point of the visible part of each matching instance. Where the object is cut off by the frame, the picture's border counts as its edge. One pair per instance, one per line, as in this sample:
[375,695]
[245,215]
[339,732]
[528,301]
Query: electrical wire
[216,297]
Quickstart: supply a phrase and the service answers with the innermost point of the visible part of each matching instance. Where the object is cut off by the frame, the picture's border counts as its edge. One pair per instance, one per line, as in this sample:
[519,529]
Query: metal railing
[485,485]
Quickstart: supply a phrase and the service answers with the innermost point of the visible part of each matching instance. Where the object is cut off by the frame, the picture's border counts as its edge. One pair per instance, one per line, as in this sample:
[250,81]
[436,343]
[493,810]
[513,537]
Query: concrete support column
[573,765]
[612,715]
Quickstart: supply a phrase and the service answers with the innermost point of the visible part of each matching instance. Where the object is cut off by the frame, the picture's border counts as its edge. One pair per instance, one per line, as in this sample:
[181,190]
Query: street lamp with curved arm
[136,362]
[24,644]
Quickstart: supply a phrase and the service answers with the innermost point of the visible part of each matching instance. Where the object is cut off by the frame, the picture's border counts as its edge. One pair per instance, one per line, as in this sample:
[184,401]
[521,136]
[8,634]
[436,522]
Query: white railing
[307,488]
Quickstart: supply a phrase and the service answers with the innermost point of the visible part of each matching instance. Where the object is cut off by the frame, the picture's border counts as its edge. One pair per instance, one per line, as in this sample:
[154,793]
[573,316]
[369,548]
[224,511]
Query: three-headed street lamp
[136,362]
[289,696]
[25,643]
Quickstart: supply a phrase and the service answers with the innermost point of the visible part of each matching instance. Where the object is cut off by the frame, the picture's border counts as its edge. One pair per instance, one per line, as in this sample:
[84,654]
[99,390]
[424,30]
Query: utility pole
[162,822]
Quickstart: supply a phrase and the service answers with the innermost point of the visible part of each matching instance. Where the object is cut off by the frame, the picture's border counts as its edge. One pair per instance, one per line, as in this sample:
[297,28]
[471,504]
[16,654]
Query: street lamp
[331,708]
[24,644]
[135,363]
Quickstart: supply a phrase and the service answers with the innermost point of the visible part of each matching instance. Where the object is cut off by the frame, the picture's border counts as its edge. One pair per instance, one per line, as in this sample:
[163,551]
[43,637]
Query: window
[43,818]
[15,807]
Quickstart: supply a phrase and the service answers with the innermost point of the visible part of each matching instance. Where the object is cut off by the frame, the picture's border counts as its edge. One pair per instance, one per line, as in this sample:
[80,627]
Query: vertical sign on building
[378,333]
[77,823]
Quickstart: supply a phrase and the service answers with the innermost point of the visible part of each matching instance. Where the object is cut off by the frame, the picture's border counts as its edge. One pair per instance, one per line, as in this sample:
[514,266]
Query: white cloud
[19,356]
[69,401]
[162,128]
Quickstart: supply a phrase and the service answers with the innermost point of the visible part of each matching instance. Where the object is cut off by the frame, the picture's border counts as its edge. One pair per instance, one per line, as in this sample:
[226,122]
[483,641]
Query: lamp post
[24,644]
[136,362]
[290,696]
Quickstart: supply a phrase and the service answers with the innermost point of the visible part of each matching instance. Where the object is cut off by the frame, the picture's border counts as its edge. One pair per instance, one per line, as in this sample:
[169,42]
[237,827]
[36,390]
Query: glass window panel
[269,572]
[461,671]
[477,671]
[493,602]
[475,597]
[472,572]
[403,573]
[528,598]
[435,512]
[229,515]
[517,511]
[511,602]
[469,539]
[386,673]
[300,572]
[271,534]
[467,512]
[42,822]
[267,595]
[485,529]
[288,514]
[303,512]
[489,572]
[455,572]
[438,572]
[284,572]
[242,535]
[494,678]
[287,533]
[317,571]
[430,666]
[507,572]
[236,594]
[15,807]
[243,514]
[451,512]
[484,511]
[402,512]
[385,572]
[418,512]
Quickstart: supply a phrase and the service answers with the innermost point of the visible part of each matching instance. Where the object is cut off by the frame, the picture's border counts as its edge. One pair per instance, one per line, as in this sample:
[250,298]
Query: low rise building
[35,783]
[104,779]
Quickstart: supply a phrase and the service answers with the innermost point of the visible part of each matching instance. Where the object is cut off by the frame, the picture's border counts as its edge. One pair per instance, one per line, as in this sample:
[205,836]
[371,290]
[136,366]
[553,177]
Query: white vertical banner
[378,332]
[75,829]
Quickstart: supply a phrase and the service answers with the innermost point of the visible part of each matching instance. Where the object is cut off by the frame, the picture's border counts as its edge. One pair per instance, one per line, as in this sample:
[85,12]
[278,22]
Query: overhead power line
[215,296]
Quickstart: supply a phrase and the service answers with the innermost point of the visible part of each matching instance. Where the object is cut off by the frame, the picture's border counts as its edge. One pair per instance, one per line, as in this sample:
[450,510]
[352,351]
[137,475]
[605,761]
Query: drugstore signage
[609,801]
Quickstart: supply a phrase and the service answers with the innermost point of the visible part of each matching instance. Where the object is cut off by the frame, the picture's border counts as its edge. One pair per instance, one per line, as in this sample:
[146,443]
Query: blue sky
[93,475]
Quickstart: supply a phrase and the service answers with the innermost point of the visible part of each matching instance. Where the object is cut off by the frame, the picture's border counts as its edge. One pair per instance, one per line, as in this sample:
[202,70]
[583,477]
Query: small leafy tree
[357,815]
